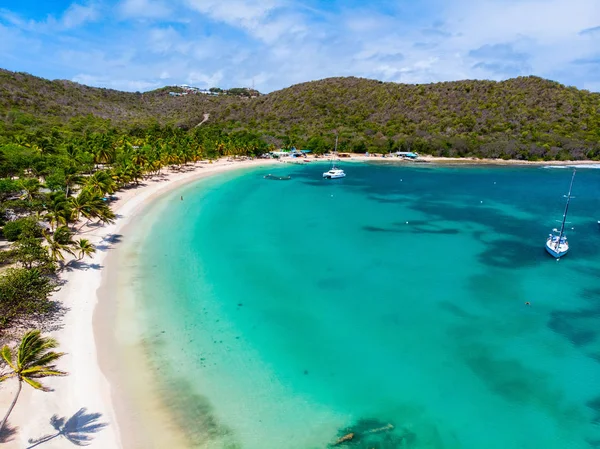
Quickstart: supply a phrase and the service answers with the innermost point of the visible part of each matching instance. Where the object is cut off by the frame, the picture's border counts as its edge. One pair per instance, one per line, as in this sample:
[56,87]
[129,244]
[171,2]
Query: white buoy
[407,222]
[481,202]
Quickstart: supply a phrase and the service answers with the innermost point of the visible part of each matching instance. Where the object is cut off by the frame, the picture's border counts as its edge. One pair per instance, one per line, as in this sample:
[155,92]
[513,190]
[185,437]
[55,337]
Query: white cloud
[266,20]
[112,83]
[166,40]
[77,15]
[149,9]
[205,80]
[245,13]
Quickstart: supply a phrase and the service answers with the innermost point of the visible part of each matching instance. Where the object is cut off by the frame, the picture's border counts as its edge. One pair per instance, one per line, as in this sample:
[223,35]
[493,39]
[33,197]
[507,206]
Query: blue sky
[144,44]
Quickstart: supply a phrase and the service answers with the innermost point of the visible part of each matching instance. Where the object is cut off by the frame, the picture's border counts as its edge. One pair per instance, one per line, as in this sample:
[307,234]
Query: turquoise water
[284,314]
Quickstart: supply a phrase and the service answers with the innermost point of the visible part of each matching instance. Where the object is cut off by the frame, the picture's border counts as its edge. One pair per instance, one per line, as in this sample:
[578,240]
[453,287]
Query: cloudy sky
[144,44]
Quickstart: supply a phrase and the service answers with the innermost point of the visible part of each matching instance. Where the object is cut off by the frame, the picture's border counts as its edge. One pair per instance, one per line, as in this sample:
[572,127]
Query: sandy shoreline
[83,337]
[460,161]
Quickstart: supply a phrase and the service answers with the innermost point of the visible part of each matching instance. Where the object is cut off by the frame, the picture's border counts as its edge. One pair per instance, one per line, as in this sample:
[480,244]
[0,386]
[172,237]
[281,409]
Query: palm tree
[56,248]
[33,360]
[101,182]
[83,247]
[58,209]
[72,177]
[90,204]
[30,187]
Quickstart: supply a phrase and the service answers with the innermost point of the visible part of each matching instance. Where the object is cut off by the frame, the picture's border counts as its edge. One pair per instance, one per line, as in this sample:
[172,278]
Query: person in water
[181,197]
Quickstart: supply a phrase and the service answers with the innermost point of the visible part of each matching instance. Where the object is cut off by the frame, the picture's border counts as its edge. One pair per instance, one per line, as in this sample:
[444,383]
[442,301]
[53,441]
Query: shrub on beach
[14,229]
[24,294]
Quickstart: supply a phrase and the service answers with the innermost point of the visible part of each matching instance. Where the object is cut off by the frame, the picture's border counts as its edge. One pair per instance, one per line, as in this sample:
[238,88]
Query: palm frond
[7,376]
[7,356]
[35,384]
[43,372]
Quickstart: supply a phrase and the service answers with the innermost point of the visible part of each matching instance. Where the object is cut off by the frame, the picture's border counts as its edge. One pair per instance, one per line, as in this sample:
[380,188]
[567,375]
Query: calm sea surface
[285,314]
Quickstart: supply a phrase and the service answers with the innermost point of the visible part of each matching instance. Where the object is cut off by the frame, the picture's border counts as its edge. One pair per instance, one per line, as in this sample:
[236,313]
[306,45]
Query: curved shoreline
[85,336]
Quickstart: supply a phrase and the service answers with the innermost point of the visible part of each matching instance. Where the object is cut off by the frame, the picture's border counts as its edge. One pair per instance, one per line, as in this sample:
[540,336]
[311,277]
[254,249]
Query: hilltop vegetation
[525,117]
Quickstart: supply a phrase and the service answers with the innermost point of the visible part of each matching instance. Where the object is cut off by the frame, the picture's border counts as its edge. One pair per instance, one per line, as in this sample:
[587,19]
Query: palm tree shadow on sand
[78,429]
[7,434]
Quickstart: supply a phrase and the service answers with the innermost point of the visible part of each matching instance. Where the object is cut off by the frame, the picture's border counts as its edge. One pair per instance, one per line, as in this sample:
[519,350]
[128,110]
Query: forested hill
[525,117]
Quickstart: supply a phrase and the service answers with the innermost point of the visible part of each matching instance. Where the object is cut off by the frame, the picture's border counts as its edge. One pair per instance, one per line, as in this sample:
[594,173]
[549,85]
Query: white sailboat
[334,172]
[557,244]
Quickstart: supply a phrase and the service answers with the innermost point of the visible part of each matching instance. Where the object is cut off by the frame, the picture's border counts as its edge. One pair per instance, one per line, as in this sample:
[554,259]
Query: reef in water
[375,434]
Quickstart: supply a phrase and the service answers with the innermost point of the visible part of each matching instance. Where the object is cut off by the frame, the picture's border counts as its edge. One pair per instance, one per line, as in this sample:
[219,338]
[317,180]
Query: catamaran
[557,244]
[334,172]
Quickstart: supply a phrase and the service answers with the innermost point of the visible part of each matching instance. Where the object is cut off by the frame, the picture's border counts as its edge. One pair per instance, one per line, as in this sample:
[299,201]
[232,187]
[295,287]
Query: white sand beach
[86,386]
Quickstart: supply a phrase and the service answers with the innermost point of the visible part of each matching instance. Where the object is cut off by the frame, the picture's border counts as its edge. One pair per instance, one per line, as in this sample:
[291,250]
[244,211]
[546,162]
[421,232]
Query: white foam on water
[592,166]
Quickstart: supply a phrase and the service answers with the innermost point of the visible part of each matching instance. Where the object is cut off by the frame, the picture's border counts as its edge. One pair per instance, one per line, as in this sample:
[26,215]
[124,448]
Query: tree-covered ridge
[524,115]
[524,118]
[30,104]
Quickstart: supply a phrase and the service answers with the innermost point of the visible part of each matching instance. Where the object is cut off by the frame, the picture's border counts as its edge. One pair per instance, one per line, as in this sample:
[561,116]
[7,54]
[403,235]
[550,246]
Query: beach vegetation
[24,296]
[12,230]
[33,359]
[28,252]
[55,246]
[83,248]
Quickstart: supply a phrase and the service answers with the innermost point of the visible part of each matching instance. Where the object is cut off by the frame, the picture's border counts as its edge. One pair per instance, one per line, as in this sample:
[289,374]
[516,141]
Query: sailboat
[557,244]
[334,172]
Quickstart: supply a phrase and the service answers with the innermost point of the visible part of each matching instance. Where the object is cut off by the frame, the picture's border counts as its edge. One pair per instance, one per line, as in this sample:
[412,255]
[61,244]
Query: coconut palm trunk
[32,360]
[12,406]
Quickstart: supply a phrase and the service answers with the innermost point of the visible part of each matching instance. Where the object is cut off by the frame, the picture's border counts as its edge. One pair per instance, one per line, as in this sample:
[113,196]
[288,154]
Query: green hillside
[525,117]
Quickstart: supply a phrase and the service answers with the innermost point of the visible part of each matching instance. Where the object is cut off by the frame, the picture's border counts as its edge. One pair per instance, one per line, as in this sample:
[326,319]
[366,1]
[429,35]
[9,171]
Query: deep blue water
[283,314]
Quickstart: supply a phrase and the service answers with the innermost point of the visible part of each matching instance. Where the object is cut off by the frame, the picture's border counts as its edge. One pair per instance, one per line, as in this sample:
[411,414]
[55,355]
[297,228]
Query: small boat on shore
[557,244]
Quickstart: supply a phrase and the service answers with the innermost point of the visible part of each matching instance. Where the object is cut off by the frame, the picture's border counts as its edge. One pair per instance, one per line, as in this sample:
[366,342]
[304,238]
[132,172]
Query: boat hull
[556,251]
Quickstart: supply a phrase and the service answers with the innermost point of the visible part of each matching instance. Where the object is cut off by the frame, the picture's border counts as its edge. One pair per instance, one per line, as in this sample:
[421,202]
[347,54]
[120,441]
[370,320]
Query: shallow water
[284,314]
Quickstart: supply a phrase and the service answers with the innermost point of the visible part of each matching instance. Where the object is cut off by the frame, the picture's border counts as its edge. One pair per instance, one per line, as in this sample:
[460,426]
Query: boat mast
[334,152]
[562,228]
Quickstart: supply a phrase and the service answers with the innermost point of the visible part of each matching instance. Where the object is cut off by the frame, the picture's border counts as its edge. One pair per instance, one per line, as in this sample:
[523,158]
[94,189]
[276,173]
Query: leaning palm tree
[83,247]
[33,360]
[58,209]
[56,248]
[101,182]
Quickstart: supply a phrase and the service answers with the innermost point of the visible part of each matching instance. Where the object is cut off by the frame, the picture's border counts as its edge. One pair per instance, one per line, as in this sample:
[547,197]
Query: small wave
[592,166]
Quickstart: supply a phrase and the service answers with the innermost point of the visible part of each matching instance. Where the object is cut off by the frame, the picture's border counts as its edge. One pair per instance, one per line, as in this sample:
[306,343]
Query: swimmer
[527,303]
[182,198]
